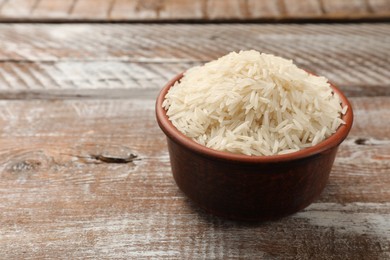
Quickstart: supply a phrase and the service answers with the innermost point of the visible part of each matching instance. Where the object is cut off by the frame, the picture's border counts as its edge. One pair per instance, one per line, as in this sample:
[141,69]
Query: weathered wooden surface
[141,10]
[58,199]
[54,57]
[77,105]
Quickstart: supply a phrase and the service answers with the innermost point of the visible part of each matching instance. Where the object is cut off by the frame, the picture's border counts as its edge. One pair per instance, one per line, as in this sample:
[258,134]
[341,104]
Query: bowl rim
[174,134]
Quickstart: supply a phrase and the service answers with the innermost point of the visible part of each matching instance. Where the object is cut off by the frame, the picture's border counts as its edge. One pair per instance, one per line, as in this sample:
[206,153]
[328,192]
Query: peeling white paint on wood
[354,218]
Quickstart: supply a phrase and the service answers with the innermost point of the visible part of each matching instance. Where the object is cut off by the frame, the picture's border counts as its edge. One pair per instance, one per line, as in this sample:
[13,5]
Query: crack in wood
[371,141]
[360,141]
[102,158]
[112,159]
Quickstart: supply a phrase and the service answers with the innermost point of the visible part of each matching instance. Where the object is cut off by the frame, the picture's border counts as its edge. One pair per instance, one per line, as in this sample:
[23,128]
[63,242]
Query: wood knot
[22,165]
[25,165]
[361,141]
[372,142]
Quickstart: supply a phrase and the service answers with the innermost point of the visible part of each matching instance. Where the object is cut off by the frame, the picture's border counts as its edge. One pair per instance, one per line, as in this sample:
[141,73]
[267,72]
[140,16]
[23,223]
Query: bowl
[244,187]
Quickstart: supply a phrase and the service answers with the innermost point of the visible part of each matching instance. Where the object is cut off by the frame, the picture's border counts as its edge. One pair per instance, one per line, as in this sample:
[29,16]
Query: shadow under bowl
[246,187]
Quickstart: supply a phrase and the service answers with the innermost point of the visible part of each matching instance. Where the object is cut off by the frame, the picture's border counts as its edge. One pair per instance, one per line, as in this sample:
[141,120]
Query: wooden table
[78,99]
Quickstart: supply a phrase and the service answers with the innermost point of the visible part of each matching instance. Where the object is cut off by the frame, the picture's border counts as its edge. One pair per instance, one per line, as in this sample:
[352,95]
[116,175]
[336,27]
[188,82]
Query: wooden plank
[58,199]
[116,56]
[114,79]
[91,9]
[378,6]
[368,143]
[52,9]
[344,8]
[161,43]
[180,10]
[266,9]
[295,8]
[226,9]
[22,8]
[151,10]
[155,10]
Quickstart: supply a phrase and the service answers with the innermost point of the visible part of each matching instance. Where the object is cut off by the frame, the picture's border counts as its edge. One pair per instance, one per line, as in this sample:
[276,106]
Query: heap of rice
[253,103]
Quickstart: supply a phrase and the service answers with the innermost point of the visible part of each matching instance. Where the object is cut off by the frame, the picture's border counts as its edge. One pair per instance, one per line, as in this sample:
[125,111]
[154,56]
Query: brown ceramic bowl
[250,187]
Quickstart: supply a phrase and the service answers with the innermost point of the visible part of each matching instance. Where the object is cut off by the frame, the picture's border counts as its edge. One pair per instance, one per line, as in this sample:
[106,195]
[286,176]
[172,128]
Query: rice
[255,104]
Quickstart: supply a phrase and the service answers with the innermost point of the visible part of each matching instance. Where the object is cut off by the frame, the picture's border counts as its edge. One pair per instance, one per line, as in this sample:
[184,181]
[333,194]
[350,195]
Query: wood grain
[297,8]
[84,170]
[116,56]
[58,199]
[344,8]
[156,10]
[114,79]
[80,75]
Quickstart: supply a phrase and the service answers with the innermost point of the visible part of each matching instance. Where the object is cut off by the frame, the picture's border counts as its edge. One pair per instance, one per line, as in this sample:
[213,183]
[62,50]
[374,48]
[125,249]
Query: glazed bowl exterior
[246,187]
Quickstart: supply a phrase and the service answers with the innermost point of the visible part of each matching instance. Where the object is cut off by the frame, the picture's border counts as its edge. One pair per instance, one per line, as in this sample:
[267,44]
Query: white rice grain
[254,103]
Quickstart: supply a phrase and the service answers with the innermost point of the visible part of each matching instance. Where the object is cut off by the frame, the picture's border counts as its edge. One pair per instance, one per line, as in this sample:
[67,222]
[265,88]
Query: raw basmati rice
[253,103]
